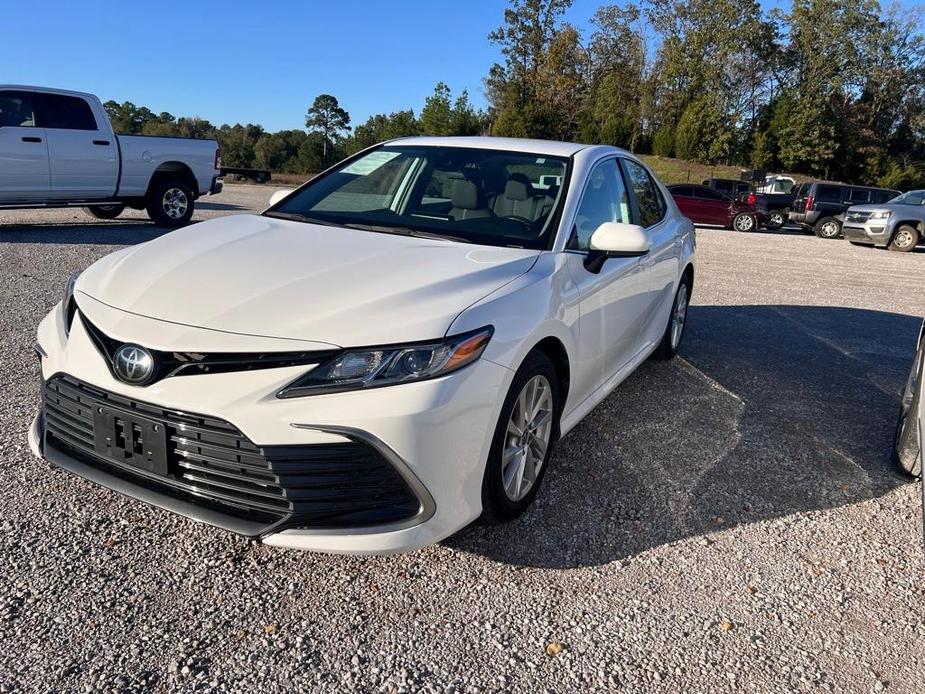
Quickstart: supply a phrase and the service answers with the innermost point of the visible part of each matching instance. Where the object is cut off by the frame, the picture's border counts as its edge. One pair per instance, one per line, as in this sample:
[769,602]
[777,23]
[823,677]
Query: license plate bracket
[127,438]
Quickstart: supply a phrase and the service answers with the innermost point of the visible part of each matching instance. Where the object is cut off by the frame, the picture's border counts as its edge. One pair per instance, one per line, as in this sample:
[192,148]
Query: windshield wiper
[405,231]
[298,217]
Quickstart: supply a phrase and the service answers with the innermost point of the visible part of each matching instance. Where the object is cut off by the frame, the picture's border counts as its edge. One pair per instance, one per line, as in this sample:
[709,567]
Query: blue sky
[258,62]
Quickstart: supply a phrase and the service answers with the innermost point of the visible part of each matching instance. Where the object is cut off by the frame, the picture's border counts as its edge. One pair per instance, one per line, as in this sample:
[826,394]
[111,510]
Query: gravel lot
[728,522]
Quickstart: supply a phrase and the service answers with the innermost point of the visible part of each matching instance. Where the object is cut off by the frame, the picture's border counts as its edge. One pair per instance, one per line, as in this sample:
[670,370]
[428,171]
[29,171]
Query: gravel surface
[726,522]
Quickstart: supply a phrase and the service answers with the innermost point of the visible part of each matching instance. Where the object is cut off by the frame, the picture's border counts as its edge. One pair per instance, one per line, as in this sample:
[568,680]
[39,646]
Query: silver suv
[898,224]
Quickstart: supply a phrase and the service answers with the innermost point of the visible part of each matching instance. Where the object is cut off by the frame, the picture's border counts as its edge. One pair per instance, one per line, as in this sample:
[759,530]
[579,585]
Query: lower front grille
[212,464]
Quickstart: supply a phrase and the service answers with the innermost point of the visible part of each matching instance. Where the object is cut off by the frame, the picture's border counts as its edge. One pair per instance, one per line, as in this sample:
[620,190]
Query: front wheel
[674,331]
[744,222]
[905,239]
[827,228]
[105,211]
[524,438]
[170,203]
[906,444]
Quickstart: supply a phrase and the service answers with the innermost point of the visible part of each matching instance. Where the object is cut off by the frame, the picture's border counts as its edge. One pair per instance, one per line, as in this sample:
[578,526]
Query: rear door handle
[32,139]
[101,143]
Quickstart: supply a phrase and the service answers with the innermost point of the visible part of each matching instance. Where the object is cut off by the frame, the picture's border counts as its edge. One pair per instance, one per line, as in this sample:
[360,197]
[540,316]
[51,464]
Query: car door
[714,206]
[661,266]
[613,301]
[84,160]
[23,150]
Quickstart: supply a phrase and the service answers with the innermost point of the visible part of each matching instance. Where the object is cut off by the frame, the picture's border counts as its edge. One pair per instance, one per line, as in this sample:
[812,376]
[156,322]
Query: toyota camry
[380,358]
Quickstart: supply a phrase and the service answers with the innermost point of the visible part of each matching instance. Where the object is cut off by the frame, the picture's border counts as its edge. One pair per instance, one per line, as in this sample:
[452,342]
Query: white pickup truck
[58,149]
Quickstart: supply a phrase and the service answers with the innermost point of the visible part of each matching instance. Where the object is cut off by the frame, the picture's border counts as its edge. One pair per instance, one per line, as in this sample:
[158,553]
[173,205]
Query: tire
[776,219]
[905,239]
[906,444]
[503,502]
[827,228]
[674,331]
[744,221]
[105,211]
[170,203]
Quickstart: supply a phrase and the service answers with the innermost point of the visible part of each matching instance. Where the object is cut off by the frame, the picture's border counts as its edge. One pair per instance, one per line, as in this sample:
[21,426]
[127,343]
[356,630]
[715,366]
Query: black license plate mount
[130,439]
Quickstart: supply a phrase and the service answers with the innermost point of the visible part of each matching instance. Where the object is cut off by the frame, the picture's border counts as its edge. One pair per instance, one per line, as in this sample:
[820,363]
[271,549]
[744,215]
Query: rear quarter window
[829,193]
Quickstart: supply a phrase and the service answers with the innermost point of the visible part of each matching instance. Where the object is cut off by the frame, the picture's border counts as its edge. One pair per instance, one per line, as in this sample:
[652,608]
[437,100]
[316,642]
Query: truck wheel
[105,211]
[776,219]
[905,239]
[827,228]
[170,203]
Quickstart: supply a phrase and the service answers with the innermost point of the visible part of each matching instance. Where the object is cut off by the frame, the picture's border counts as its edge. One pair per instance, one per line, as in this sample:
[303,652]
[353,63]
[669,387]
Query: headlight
[356,369]
[68,305]
[880,214]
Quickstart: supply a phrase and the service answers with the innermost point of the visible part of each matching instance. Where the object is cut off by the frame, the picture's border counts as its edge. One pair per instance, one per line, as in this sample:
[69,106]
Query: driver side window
[604,200]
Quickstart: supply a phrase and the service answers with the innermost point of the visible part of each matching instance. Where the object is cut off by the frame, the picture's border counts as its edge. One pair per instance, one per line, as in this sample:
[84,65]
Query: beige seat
[466,201]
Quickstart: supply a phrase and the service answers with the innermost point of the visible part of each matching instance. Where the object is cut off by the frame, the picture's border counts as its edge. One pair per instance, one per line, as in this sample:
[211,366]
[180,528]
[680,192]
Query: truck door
[23,150]
[84,159]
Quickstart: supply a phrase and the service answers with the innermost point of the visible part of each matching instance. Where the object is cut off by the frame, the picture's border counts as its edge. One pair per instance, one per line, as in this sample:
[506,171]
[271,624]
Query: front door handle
[32,139]
[101,143]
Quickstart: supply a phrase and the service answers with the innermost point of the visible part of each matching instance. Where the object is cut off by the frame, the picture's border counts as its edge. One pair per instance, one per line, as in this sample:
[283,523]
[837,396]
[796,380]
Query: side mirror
[616,240]
[279,195]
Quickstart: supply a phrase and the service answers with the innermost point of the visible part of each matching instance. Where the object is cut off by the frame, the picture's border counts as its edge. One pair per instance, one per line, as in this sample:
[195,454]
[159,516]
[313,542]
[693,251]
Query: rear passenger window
[64,112]
[682,192]
[858,195]
[604,200]
[829,193]
[707,194]
[16,109]
[648,197]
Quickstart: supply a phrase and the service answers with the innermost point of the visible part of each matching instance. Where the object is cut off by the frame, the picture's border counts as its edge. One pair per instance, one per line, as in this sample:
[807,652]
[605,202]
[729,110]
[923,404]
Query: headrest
[518,187]
[465,195]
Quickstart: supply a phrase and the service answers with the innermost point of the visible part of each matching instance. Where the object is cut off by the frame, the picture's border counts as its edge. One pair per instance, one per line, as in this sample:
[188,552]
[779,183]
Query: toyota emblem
[133,364]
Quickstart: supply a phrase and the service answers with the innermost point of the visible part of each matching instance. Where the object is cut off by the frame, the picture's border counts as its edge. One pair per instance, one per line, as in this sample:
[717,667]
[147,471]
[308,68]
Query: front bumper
[436,434]
[876,232]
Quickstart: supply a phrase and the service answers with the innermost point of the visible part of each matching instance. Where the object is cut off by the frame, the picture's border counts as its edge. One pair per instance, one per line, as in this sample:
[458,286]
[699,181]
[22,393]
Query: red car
[704,205]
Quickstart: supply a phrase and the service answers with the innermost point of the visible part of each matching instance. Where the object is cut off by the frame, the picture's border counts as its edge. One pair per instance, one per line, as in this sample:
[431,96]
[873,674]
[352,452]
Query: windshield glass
[476,195]
[913,197]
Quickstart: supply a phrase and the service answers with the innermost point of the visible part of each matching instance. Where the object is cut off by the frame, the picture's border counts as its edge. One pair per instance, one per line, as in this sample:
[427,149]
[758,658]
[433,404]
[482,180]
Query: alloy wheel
[830,230]
[526,441]
[744,223]
[776,219]
[903,239]
[175,203]
[678,316]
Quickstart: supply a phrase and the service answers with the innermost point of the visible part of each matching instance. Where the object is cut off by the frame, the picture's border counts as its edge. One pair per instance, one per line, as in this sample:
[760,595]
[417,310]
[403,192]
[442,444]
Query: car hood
[277,278]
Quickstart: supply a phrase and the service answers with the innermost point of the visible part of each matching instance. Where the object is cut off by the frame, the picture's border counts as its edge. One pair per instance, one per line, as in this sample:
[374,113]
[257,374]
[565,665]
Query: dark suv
[820,207]
[729,186]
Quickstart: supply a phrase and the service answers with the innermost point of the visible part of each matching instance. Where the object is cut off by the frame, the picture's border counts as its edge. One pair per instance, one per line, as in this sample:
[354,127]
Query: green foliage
[663,142]
[327,118]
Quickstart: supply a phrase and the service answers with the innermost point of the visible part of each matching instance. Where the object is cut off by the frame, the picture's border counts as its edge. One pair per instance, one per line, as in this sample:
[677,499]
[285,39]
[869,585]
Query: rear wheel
[524,438]
[776,219]
[905,239]
[105,211]
[170,203]
[827,228]
[744,221]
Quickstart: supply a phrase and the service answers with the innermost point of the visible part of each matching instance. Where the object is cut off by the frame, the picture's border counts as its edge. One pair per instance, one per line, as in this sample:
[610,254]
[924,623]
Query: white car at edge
[381,357]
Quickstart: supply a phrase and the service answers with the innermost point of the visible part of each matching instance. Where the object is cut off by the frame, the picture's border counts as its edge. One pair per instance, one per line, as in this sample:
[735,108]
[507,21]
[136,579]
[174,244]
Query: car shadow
[769,411]
[117,233]
[219,206]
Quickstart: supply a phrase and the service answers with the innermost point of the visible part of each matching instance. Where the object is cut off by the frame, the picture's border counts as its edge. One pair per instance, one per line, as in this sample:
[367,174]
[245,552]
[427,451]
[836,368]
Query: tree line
[829,89]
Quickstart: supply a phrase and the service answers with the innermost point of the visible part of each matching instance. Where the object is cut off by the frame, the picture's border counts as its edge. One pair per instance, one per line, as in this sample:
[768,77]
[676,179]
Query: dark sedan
[703,205]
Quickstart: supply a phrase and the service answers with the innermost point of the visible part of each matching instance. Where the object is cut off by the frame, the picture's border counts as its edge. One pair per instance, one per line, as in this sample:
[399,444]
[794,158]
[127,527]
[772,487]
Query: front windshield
[913,197]
[475,195]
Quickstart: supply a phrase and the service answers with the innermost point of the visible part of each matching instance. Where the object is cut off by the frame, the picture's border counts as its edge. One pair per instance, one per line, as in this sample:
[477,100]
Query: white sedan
[381,357]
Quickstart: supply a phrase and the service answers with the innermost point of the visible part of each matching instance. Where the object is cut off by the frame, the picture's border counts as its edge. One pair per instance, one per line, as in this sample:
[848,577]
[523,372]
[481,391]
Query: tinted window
[604,200]
[828,193]
[64,112]
[724,186]
[707,194]
[16,109]
[648,197]
[682,191]
[878,197]
[858,195]
[802,190]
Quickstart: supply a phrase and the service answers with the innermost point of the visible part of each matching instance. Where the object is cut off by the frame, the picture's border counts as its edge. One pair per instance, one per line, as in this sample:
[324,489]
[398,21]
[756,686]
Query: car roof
[505,144]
